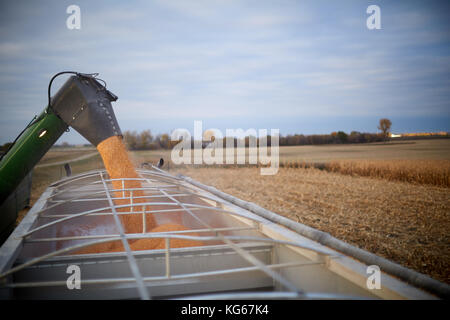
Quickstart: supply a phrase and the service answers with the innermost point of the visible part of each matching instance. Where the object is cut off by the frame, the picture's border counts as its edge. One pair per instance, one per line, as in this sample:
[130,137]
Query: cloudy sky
[299,66]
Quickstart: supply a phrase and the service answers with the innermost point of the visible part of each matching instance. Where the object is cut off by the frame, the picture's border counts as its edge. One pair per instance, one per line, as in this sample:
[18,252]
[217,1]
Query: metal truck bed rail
[243,255]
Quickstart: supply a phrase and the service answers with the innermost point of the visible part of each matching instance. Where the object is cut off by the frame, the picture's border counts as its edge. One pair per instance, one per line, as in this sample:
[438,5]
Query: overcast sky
[298,66]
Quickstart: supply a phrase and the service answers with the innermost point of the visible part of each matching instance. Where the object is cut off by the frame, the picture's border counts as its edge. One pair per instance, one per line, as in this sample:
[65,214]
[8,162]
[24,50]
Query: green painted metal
[84,104]
[28,149]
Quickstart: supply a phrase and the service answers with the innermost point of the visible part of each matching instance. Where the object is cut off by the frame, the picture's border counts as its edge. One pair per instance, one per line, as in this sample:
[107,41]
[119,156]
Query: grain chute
[82,103]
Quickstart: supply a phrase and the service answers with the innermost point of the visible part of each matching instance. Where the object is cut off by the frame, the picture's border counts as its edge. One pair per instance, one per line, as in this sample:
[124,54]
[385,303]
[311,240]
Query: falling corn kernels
[119,166]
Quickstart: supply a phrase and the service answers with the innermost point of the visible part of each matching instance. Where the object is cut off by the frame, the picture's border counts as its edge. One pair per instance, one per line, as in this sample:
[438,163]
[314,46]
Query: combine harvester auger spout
[82,103]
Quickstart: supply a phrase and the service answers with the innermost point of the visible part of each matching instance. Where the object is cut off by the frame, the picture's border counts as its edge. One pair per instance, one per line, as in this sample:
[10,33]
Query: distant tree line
[146,141]
[338,137]
[70,145]
[4,147]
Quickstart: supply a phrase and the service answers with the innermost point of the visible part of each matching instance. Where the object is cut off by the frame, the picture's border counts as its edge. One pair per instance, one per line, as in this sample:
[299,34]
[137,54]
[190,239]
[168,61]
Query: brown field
[62,154]
[432,172]
[406,223]
[436,149]
[361,197]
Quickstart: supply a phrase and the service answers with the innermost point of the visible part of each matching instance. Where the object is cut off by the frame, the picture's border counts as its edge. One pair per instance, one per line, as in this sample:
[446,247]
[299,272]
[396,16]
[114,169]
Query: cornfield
[432,172]
[403,222]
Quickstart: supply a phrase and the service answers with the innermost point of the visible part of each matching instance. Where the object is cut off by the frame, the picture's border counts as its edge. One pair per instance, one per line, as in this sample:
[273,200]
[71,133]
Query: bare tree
[145,140]
[131,139]
[385,127]
[163,140]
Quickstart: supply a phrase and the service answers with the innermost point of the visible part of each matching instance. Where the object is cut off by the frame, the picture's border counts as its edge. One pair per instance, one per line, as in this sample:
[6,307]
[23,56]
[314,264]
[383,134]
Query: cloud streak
[176,60]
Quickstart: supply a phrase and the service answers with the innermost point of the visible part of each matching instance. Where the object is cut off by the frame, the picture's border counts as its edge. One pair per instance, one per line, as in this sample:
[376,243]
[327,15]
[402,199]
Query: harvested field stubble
[406,223]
